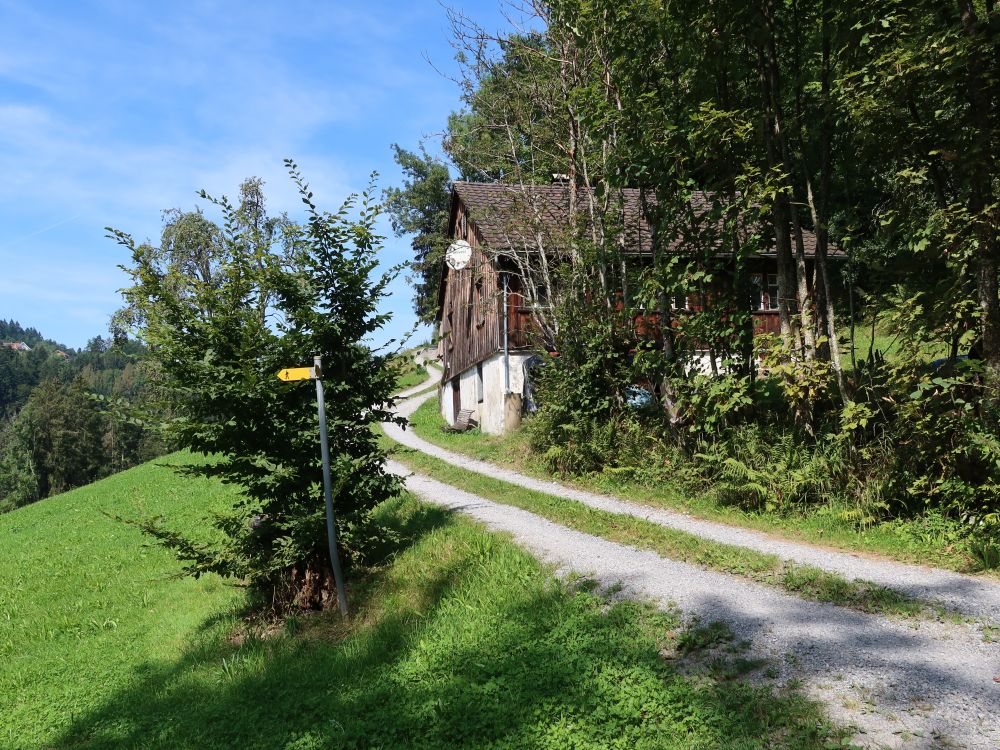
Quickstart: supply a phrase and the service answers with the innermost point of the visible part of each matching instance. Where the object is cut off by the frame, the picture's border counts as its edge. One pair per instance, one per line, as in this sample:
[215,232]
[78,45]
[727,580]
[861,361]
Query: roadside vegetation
[803,580]
[927,539]
[458,639]
[869,406]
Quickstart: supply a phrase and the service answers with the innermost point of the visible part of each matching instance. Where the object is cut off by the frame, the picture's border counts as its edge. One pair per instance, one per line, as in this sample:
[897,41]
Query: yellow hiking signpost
[297,373]
[315,372]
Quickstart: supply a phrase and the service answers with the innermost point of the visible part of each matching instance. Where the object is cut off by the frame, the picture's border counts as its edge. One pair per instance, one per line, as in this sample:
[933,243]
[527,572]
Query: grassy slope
[410,377]
[911,542]
[460,640]
[87,606]
[410,373]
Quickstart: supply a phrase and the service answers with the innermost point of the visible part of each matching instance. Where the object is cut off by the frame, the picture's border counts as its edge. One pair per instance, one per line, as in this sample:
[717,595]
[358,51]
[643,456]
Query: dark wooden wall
[471,325]
[472,311]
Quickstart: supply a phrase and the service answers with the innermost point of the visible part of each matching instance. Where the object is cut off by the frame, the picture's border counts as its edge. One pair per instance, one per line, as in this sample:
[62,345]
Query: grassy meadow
[459,639]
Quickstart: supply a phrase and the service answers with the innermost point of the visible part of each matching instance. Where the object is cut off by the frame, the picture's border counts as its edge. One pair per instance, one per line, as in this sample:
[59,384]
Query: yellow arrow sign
[297,373]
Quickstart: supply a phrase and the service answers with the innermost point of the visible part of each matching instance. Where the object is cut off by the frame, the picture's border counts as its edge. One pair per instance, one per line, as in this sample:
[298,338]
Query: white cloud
[112,111]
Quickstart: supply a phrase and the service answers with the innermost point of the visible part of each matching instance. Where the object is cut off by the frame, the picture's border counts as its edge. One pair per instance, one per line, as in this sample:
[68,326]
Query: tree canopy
[223,308]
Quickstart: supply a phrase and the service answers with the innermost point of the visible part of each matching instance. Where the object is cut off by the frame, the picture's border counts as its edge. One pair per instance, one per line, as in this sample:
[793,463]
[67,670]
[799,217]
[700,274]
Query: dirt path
[974,596]
[903,685]
[433,377]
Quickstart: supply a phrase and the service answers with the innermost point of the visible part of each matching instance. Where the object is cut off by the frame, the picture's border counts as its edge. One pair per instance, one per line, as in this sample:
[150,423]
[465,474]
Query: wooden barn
[485,321]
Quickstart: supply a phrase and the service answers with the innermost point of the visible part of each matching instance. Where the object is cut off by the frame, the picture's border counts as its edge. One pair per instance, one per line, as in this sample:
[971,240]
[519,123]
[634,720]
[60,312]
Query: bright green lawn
[86,606]
[459,640]
[886,341]
[921,541]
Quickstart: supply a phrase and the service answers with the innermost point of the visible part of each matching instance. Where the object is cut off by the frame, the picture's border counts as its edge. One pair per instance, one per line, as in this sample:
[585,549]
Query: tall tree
[924,84]
[420,208]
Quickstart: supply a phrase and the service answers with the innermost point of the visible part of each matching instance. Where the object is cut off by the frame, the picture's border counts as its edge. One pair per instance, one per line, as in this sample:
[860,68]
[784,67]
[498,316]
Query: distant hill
[54,433]
[11,330]
[106,369]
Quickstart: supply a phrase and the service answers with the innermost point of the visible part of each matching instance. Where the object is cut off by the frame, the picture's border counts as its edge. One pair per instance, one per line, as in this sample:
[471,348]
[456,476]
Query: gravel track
[433,378]
[902,684]
[974,596]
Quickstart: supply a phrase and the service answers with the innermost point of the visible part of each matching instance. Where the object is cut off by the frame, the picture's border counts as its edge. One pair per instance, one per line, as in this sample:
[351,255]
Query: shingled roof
[508,216]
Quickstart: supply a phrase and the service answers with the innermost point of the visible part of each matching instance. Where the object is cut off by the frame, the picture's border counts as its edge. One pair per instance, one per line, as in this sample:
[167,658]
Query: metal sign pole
[506,344]
[315,372]
[331,530]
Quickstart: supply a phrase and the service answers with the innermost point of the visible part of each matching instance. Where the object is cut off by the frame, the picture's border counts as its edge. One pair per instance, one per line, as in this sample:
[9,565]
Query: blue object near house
[638,398]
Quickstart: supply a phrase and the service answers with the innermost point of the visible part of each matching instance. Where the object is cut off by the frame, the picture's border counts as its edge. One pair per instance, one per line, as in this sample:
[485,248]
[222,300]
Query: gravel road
[433,378]
[977,597]
[902,684]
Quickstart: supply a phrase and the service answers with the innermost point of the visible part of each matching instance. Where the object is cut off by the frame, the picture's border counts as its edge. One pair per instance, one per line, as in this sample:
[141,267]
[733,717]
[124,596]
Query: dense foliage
[420,208]
[68,417]
[223,309]
[874,126]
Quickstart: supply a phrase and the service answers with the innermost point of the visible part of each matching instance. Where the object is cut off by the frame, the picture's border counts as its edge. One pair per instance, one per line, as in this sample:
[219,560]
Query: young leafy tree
[18,480]
[270,296]
[924,86]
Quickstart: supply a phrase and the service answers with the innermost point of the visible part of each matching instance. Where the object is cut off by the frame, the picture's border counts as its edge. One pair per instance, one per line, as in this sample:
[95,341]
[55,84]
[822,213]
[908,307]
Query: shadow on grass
[462,641]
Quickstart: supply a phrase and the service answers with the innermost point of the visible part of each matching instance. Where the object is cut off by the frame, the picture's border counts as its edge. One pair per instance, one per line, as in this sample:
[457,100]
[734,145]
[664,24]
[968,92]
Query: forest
[872,126]
[67,417]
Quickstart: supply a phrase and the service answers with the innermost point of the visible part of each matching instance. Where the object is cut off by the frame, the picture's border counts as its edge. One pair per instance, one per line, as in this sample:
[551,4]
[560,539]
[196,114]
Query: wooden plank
[471,317]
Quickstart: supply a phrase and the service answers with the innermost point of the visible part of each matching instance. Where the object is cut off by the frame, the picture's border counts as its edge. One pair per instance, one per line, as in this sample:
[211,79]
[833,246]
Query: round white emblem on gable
[458,255]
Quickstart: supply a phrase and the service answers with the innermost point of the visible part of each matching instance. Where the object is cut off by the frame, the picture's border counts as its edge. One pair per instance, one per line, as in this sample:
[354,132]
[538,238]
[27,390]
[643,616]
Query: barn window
[756,291]
[764,291]
[772,291]
[541,294]
[479,382]
[480,301]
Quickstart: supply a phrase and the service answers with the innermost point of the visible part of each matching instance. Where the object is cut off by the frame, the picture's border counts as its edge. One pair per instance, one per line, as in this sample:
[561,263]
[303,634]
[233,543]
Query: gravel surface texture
[978,597]
[433,378]
[903,684]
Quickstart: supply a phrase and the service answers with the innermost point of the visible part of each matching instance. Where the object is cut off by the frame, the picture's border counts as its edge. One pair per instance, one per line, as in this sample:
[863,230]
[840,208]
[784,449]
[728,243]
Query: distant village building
[485,320]
[18,346]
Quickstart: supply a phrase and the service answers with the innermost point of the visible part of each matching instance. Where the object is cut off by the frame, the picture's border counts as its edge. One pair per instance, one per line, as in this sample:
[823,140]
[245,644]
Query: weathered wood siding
[521,329]
[472,309]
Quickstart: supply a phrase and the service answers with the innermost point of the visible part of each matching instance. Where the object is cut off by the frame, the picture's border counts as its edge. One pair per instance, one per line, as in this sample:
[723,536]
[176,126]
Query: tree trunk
[779,208]
[793,268]
[822,216]
[982,201]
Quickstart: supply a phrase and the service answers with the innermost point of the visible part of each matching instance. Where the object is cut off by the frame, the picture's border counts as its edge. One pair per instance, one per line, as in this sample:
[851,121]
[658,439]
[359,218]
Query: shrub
[760,469]
[222,312]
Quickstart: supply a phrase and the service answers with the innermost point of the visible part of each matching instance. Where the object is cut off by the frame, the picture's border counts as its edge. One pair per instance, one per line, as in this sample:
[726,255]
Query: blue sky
[111,112]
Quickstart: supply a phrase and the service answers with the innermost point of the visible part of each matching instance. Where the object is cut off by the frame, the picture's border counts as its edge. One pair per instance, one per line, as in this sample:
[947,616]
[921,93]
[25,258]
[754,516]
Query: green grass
[87,606]
[410,373]
[460,639]
[920,540]
[410,377]
[890,344]
[805,581]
